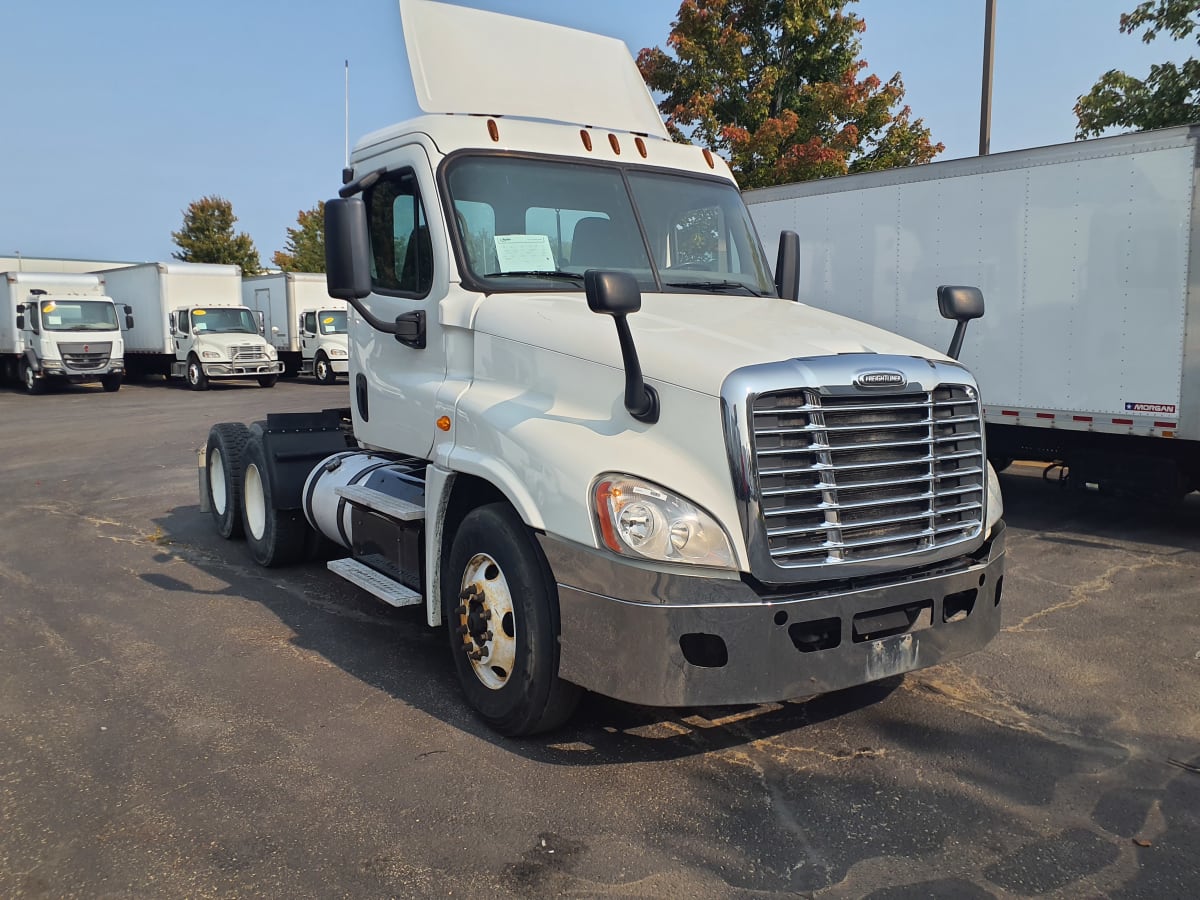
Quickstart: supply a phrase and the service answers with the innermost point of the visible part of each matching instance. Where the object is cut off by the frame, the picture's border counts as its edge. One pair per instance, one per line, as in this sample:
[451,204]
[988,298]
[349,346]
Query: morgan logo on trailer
[1167,408]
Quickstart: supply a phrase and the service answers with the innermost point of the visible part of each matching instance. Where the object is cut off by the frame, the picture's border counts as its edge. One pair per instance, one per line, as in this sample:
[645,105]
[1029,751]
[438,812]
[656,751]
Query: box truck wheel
[226,447]
[196,378]
[111,383]
[276,537]
[501,607]
[33,384]
[322,370]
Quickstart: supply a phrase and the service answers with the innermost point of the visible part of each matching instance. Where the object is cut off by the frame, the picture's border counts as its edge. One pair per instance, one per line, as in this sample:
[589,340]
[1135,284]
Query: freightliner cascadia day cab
[307,327]
[1088,253]
[190,323]
[588,434]
[56,327]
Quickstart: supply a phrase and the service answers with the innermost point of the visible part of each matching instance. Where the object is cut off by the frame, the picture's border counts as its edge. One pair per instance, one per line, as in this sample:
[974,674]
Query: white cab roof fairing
[472,61]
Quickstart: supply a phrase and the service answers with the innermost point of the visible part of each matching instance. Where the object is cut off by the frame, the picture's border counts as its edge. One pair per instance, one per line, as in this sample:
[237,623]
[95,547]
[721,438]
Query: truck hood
[691,340]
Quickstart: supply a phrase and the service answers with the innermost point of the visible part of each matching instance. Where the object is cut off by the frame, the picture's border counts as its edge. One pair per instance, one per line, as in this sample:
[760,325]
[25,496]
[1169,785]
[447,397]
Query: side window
[185,323]
[310,322]
[401,253]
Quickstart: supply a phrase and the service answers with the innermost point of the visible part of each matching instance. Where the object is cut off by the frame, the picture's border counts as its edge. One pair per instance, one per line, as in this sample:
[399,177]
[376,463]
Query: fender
[32,359]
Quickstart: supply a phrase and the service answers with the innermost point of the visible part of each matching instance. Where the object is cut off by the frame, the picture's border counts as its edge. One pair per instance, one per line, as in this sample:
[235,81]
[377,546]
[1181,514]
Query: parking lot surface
[177,722]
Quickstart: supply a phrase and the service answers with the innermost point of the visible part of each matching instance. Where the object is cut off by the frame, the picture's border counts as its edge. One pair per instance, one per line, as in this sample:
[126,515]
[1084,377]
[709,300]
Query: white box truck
[190,323]
[306,326]
[1089,255]
[733,498]
[58,327]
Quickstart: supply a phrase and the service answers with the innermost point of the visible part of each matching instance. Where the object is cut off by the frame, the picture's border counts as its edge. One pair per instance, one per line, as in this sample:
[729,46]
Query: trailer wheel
[501,607]
[196,378]
[33,384]
[322,370]
[276,537]
[111,383]
[267,381]
[223,459]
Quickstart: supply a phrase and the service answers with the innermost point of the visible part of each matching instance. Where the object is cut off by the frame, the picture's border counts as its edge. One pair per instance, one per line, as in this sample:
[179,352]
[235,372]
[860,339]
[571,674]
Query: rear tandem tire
[226,448]
[276,537]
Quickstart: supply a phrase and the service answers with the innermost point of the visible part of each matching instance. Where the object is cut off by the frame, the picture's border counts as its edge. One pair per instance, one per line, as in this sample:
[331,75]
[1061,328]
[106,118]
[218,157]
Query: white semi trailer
[190,323]
[59,327]
[734,498]
[1089,255]
[307,327]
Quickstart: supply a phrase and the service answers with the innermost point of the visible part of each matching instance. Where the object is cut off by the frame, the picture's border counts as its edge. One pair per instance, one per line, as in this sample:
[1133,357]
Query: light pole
[985,104]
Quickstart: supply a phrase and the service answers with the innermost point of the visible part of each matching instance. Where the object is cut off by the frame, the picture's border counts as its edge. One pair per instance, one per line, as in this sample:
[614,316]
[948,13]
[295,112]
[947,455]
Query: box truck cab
[60,327]
[307,327]
[590,434]
[190,323]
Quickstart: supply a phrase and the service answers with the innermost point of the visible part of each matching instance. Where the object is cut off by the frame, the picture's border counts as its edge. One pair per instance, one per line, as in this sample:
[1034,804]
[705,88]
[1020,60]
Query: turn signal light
[443,423]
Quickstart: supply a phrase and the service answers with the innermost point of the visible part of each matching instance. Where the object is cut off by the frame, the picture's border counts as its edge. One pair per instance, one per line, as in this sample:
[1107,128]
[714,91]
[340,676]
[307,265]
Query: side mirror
[171,322]
[262,322]
[20,320]
[961,304]
[347,249]
[20,307]
[787,266]
[617,294]
[128,317]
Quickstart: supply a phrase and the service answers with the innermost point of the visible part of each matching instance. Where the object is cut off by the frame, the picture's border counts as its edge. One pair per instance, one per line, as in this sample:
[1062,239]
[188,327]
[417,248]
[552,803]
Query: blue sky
[118,115]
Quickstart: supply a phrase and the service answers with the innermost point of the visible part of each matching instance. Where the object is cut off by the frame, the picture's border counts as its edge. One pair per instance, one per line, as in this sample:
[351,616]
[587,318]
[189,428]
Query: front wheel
[501,607]
[323,370]
[196,378]
[276,537]
[111,383]
[267,381]
[33,384]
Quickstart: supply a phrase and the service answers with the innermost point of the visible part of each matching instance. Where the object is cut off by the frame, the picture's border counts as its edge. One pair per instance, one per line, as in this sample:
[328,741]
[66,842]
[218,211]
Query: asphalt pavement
[177,722]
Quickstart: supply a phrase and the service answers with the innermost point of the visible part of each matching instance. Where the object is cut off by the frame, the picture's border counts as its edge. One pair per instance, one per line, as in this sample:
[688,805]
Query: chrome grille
[247,352]
[75,357]
[851,479]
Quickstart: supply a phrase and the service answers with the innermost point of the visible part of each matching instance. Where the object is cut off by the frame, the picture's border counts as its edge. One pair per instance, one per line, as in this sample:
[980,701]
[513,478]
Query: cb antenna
[347,114]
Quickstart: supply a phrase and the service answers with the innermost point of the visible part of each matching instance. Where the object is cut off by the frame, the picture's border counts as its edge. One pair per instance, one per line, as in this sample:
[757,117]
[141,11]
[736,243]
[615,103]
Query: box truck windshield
[333,321]
[78,315]
[223,321]
[528,224]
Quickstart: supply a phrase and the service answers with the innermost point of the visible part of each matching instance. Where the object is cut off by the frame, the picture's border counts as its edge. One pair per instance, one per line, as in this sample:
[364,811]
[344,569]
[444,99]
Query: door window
[401,252]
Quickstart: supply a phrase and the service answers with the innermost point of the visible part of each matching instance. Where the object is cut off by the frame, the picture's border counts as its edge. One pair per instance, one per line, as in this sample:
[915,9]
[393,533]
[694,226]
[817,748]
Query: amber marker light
[443,423]
[615,144]
[708,158]
[606,491]
[493,129]
[586,138]
[641,146]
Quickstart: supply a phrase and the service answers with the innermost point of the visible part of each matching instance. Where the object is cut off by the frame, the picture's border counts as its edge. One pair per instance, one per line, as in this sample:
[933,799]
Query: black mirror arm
[956,342]
[641,399]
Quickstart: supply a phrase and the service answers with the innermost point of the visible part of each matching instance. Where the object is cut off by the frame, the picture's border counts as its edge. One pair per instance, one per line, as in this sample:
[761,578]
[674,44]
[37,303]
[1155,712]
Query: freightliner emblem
[880,380]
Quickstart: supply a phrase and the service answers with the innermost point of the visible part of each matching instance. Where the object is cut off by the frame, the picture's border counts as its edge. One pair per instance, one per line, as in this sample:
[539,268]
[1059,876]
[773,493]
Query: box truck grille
[82,357]
[248,353]
[852,479]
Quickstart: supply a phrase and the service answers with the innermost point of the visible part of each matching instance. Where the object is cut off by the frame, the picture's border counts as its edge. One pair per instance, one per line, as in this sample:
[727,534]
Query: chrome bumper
[242,370]
[682,640]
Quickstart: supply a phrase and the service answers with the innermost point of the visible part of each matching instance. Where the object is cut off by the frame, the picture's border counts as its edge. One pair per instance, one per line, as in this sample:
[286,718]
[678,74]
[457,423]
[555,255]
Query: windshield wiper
[539,273]
[718,286]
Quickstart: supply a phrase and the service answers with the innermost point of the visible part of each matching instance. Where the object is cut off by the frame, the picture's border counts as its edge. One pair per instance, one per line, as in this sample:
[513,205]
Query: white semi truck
[307,327]
[1088,254]
[730,498]
[56,327]
[190,323]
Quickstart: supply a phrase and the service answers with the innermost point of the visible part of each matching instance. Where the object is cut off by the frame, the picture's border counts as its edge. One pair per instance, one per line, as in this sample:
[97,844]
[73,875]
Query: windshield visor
[78,315]
[535,224]
[223,321]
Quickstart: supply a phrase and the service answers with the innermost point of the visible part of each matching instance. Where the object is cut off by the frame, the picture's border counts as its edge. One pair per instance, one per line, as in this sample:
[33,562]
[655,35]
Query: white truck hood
[693,341]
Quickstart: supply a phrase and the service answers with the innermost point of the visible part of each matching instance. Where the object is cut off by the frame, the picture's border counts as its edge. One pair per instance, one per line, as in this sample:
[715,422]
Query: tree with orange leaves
[777,87]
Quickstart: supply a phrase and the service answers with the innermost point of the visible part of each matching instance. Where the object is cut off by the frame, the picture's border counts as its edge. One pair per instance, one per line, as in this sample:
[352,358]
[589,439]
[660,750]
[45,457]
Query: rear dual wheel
[223,458]
[276,537]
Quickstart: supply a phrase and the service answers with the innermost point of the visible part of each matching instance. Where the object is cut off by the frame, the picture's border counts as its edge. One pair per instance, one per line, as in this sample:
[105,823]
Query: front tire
[226,448]
[32,384]
[111,383]
[501,607]
[276,537]
[267,381]
[323,370]
[196,378]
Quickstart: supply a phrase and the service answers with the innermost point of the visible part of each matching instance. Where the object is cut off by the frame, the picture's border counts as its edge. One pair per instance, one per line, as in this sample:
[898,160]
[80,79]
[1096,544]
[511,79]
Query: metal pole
[348,111]
[985,104]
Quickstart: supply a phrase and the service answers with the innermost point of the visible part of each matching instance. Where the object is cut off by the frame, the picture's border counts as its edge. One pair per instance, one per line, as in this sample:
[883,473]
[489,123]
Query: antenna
[347,114]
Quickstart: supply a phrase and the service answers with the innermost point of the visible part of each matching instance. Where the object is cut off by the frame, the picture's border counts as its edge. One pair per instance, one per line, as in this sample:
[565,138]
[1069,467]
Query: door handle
[410,329]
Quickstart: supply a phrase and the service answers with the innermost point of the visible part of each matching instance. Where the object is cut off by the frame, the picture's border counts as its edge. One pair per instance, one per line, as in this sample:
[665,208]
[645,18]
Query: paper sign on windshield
[524,253]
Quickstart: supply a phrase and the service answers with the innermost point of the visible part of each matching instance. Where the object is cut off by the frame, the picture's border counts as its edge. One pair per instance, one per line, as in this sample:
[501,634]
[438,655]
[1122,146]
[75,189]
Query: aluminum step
[386,504]
[386,589]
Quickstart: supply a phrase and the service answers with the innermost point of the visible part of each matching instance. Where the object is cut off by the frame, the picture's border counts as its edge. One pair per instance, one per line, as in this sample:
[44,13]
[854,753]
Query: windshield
[228,320]
[332,321]
[79,315]
[529,224]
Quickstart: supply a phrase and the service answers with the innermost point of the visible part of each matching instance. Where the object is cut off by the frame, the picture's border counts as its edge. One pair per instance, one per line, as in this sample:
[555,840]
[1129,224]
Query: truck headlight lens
[270,352]
[210,354]
[337,351]
[638,518]
[995,502]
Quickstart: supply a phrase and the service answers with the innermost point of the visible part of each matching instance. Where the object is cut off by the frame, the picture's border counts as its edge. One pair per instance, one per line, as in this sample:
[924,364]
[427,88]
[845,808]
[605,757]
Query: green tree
[777,86]
[207,236]
[1169,95]
[305,248]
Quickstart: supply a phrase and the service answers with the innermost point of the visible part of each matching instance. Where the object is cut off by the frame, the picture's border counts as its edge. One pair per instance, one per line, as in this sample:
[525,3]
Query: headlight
[270,352]
[210,354]
[995,502]
[336,351]
[638,518]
